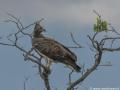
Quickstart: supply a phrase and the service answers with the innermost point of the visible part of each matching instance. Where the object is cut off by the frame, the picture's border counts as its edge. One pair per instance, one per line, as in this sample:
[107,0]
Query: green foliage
[100,25]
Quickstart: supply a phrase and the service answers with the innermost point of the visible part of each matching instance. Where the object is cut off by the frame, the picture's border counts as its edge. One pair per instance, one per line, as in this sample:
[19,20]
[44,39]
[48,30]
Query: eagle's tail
[72,63]
[76,67]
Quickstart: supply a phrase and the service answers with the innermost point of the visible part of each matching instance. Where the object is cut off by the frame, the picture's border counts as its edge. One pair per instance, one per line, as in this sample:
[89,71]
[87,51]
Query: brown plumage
[53,49]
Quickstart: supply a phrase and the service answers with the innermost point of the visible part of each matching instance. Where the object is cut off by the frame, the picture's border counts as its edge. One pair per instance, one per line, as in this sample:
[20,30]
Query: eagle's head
[38,29]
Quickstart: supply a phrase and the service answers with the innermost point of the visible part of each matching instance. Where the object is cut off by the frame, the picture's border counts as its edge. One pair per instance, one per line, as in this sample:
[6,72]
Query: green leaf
[95,28]
[104,25]
[100,25]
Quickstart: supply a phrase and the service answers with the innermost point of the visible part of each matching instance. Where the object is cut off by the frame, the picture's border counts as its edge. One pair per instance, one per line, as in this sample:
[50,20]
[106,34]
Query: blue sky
[61,17]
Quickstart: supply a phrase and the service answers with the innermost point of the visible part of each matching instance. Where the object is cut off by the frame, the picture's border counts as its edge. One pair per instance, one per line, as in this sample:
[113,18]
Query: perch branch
[14,42]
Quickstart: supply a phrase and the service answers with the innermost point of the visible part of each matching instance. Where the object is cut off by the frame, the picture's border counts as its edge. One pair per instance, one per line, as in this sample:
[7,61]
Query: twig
[73,39]
[88,72]
[97,13]
[70,81]
[24,84]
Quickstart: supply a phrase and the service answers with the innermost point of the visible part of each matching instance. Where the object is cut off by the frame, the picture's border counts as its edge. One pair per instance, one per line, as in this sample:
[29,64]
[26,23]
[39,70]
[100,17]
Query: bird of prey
[52,50]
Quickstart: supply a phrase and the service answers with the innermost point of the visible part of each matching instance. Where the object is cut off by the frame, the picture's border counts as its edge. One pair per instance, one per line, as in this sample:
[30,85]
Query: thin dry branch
[99,47]
[25,81]
[75,42]
[70,81]
[27,54]
[89,71]
[111,49]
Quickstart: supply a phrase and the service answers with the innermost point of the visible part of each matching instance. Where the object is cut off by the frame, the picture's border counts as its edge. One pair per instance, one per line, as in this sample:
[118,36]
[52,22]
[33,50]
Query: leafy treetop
[100,25]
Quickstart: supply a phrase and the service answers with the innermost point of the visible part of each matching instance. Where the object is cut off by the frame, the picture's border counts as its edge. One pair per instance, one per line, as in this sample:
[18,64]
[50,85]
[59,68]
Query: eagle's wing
[56,51]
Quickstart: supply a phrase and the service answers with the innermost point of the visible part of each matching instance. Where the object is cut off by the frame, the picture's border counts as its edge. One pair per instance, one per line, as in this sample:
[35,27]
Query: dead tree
[98,46]
[28,55]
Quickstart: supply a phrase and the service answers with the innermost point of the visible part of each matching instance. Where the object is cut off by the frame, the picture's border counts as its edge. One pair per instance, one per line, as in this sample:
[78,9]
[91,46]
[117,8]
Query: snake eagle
[53,50]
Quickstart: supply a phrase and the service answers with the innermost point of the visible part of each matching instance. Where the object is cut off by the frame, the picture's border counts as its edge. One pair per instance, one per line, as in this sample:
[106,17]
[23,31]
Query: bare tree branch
[44,72]
[76,43]
[89,71]
[99,47]
[25,81]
